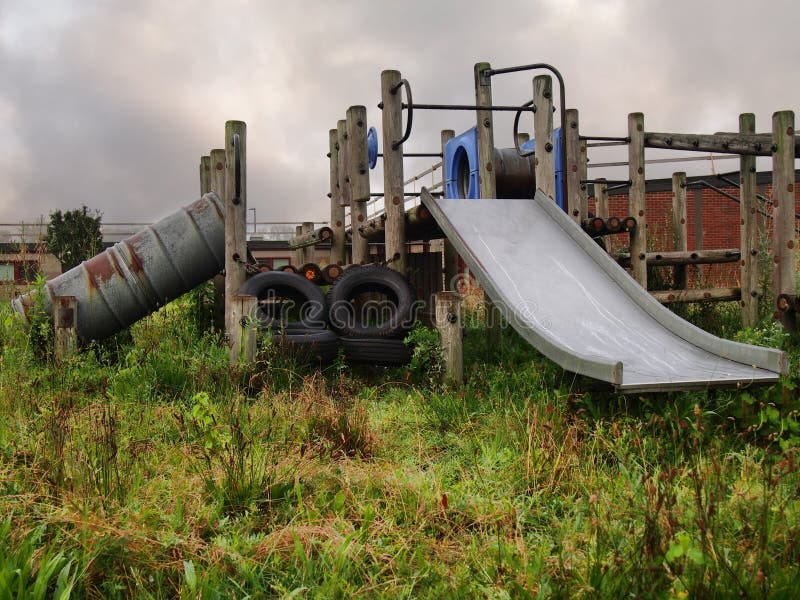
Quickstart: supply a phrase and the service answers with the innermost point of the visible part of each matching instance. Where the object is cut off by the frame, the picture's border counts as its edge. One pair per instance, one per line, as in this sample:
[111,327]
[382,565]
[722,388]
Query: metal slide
[567,297]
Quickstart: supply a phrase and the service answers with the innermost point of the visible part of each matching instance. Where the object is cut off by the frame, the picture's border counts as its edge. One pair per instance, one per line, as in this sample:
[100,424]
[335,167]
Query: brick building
[713,219]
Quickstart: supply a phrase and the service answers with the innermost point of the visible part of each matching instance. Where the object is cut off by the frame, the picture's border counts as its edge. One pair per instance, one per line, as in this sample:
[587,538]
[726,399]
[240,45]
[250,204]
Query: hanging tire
[286,301]
[308,346]
[371,302]
[376,351]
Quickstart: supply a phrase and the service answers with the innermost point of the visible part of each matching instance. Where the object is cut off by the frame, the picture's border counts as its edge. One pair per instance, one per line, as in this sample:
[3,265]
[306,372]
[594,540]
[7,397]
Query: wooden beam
[485,126]
[248,328]
[448,322]
[357,153]
[308,249]
[299,255]
[764,138]
[393,171]
[235,231]
[572,139]
[704,295]
[338,255]
[748,210]
[486,179]
[601,199]
[450,254]
[205,175]
[583,171]
[544,159]
[679,226]
[724,144]
[356,185]
[417,218]
[312,238]
[217,185]
[783,204]
[217,178]
[685,257]
[636,197]
[344,180]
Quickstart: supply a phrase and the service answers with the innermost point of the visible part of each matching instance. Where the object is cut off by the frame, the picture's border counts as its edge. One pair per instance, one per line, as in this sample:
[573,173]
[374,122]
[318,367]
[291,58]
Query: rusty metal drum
[135,277]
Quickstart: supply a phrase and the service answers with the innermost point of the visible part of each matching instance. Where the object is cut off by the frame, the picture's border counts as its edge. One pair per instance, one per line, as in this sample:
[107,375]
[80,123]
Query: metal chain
[251,268]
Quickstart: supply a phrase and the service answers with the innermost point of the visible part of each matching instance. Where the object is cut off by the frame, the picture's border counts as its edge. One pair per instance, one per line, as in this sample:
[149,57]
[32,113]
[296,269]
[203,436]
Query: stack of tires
[367,312]
[372,308]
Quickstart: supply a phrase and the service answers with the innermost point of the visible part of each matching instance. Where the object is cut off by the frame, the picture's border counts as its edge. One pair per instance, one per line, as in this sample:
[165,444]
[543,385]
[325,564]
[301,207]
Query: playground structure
[554,162]
[472,167]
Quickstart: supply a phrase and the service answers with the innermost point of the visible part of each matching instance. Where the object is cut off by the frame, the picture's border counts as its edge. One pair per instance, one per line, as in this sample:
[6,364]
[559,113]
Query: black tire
[286,301]
[376,351]
[393,316]
[308,346]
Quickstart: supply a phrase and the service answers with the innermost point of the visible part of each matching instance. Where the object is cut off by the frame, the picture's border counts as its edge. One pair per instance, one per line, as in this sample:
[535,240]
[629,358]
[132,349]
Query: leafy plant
[40,325]
[28,572]
[237,464]
[427,360]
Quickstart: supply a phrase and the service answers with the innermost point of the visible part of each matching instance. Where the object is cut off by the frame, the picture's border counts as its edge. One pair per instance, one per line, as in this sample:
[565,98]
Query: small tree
[74,236]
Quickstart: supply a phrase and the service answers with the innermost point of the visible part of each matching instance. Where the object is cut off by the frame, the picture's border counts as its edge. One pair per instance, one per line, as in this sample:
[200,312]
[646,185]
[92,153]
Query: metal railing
[35,232]
[376,206]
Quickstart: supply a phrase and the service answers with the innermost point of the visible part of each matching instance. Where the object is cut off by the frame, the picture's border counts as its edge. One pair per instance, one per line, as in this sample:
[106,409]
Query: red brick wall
[720,222]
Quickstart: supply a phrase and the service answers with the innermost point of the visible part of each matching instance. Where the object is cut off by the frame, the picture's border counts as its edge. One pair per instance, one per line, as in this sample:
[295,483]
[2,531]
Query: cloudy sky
[111,103]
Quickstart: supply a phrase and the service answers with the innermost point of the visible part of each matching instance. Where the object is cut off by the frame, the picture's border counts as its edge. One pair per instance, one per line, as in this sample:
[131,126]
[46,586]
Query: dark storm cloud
[111,104]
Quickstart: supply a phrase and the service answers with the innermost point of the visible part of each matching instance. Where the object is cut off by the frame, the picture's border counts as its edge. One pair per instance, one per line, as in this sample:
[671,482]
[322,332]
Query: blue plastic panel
[372,147]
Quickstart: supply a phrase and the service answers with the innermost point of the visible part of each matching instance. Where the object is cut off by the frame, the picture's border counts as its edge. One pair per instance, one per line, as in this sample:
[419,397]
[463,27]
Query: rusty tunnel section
[136,276]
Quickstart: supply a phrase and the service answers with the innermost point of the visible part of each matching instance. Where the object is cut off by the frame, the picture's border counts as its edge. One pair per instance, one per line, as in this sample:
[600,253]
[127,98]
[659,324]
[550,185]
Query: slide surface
[568,298]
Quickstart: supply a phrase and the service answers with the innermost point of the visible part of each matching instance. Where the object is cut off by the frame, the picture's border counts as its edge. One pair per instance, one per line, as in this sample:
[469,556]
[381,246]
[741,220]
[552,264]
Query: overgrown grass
[148,467]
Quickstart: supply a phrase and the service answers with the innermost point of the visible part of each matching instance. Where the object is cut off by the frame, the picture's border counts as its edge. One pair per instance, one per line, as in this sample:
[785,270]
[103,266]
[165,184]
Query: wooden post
[544,161]
[357,153]
[450,254]
[235,230]
[216,182]
[783,204]
[344,180]
[393,190]
[748,206]
[698,219]
[205,175]
[679,226]
[248,328]
[636,197]
[574,198]
[486,177]
[448,322]
[483,97]
[309,252]
[356,190]
[65,327]
[583,170]
[338,256]
[601,199]
[299,254]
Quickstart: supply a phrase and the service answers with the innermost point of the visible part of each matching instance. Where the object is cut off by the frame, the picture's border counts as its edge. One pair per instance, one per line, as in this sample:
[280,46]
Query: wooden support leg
[448,322]
[248,328]
[235,230]
[65,324]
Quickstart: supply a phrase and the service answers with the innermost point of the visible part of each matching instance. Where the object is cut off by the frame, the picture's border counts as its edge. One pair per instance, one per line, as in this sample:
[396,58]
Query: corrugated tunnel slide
[135,277]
